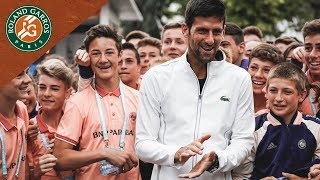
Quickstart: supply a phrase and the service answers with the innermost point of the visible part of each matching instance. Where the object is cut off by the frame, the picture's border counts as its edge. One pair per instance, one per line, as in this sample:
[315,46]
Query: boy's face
[147,54]
[174,44]
[258,71]
[129,69]
[52,92]
[104,57]
[30,98]
[18,86]
[229,43]
[283,97]
[312,53]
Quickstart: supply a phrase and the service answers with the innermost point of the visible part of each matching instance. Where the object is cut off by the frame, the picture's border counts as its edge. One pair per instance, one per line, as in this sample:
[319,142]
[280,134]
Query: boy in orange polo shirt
[96,134]
[54,87]
[13,128]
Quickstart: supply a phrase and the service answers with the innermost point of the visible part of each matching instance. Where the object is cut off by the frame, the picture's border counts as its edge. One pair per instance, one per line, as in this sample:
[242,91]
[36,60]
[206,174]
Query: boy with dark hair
[262,59]
[286,142]
[234,41]
[311,53]
[129,66]
[96,138]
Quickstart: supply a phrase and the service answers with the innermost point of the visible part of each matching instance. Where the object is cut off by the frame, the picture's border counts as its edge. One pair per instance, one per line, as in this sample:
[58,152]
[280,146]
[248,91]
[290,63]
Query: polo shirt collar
[5,123]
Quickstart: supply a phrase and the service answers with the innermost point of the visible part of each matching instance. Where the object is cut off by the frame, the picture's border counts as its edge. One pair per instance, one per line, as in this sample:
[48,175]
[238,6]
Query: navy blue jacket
[291,148]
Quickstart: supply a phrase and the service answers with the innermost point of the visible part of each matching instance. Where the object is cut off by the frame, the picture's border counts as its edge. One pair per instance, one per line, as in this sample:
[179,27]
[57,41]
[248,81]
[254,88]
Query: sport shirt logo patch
[225,98]
[271,146]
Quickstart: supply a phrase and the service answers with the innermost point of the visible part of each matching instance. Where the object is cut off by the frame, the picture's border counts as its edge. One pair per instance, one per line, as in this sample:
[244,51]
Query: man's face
[312,53]
[129,69]
[259,71]
[283,97]
[174,44]
[229,44]
[147,54]
[204,38]
[52,93]
[104,57]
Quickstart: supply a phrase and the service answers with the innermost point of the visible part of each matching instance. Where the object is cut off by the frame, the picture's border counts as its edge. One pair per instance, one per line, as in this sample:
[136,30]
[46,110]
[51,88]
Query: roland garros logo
[28,28]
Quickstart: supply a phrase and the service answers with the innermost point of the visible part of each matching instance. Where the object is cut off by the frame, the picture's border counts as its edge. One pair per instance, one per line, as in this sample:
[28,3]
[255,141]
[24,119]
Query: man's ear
[242,47]
[185,30]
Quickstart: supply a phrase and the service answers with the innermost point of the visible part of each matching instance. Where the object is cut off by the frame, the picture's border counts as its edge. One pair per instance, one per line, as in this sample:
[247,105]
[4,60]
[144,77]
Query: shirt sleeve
[147,147]
[84,83]
[69,129]
[242,138]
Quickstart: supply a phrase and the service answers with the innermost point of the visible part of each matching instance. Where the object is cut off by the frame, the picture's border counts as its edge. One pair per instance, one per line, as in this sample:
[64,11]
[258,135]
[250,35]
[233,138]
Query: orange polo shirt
[13,139]
[80,125]
[37,148]
[306,107]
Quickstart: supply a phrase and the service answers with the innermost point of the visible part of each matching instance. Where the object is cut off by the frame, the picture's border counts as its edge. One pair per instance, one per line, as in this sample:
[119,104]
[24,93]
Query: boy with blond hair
[286,142]
[54,87]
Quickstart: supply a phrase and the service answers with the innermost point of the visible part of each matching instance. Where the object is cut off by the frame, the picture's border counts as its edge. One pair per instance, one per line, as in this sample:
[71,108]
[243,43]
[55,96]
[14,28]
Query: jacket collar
[276,120]
[213,67]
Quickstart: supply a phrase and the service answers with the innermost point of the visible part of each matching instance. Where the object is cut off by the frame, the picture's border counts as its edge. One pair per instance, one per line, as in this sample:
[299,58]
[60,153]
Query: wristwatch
[214,166]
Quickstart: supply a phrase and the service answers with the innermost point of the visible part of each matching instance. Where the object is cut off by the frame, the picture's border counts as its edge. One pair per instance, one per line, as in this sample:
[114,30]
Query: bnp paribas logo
[28,28]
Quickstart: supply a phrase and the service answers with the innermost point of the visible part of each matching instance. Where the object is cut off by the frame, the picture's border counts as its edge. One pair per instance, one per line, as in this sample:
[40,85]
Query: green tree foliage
[265,14]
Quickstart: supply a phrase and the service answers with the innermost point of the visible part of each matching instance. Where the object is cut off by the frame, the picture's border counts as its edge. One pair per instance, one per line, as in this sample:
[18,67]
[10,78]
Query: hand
[298,54]
[124,160]
[292,176]
[46,163]
[206,161]
[314,172]
[82,58]
[32,131]
[184,153]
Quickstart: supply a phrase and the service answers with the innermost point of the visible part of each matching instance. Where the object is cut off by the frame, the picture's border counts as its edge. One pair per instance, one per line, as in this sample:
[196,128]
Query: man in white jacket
[195,113]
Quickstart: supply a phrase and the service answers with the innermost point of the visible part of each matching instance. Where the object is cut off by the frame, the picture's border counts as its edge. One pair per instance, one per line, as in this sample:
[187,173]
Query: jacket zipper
[199,107]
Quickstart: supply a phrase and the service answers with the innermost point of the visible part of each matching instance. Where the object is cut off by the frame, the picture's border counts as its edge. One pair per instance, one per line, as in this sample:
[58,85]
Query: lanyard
[103,120]
[3,156]
[44,141]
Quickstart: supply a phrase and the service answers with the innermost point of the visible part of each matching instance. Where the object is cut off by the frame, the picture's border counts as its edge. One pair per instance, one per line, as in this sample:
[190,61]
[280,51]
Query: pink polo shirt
[80,125]
[37,148]
[13,136]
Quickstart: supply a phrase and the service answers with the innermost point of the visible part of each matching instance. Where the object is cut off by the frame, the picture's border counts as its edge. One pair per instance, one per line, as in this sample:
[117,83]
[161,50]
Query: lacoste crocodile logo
[225,98]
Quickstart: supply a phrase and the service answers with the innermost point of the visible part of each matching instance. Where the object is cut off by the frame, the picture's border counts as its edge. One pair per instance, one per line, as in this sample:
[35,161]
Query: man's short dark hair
[253,30]
[204,8]
[102,31]
[311,28]
[235,31]
[167,26]
[131,47]
[136,34]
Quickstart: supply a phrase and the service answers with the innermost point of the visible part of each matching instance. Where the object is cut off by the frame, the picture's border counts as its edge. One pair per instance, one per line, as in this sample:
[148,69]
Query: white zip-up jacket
[172,112]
